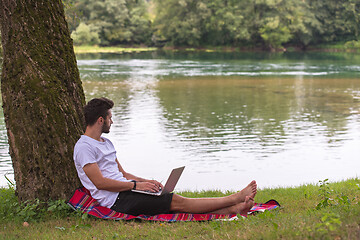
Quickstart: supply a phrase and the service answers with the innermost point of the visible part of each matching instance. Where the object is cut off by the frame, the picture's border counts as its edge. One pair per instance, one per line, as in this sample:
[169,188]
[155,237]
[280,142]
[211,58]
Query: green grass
[119,50]
[299,218]
[350,46]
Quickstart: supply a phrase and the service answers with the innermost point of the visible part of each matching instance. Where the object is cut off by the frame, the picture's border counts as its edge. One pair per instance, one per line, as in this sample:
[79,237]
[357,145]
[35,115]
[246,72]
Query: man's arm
[93,172]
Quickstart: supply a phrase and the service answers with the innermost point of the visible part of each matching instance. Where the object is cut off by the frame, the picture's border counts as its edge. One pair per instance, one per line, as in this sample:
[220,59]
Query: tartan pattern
[82,201]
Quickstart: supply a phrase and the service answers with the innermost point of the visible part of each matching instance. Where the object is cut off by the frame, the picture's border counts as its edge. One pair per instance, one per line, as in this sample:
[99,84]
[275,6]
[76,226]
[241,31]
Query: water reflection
[220,109]
[280,119]
[240,123]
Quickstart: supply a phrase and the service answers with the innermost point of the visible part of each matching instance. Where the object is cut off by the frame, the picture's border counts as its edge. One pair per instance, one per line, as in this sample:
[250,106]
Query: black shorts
[142,204]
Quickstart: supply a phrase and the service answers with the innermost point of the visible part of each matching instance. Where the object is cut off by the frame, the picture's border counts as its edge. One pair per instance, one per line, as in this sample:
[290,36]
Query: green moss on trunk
[42,97]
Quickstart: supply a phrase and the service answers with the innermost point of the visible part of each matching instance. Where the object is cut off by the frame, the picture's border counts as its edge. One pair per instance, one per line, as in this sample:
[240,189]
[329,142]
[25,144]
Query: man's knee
[178,203]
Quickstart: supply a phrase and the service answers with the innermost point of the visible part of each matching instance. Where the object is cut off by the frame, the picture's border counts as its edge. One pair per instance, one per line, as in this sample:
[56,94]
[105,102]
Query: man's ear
[100,120]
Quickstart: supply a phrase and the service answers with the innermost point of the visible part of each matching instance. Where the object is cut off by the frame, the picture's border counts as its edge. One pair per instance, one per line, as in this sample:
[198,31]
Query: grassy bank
[323,211]
[351,46]
[119,50]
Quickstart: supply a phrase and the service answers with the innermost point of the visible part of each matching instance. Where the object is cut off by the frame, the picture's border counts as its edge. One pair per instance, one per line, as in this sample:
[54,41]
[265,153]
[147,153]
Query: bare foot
[244,207]
[240,208]
[250,190]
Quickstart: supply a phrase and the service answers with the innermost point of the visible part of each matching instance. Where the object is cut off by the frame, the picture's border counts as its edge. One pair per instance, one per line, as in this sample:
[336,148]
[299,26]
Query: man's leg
[224,205]
[242,208]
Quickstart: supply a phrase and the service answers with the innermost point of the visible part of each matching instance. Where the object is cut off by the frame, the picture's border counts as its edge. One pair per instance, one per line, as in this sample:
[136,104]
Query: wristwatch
[134,187]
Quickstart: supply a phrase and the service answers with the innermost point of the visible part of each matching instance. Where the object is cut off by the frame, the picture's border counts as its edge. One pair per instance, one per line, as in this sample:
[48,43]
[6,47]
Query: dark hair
[95,108]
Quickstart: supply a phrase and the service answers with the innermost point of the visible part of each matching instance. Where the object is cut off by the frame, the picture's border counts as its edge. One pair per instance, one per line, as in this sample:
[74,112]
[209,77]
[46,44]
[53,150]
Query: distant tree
[227,23]
[194,23]
[116,21]
[270,22]
[303,24]
[42,97]
[181,22]
[339,19]
[266,23]
[85,35]
[352,14]
[72,14]
[274,32]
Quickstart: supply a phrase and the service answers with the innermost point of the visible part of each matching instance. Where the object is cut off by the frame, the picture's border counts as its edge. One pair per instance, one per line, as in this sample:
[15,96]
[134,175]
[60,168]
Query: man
[102,174]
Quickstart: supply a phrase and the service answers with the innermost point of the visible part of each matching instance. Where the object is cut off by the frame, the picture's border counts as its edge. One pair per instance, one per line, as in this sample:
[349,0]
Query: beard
[105,128]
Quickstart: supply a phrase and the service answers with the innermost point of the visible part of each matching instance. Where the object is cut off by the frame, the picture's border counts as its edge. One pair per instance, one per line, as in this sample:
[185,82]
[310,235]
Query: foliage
[327,199]
[72,14]
[30,211]
[279,21]
[339,19]
[329,223]
[180,22]
[269,24]
[85,35]
[352,45]
[227,23]
[274,34]
[113,22]
[8,204]
[325,194]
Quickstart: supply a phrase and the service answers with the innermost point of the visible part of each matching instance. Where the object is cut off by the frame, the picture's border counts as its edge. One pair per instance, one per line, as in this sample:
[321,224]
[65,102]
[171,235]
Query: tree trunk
[42,97]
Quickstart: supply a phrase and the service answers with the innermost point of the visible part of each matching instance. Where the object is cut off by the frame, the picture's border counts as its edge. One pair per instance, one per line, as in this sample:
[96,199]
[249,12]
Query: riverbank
[352,46]
[117,49]
[338,47]
[323,211]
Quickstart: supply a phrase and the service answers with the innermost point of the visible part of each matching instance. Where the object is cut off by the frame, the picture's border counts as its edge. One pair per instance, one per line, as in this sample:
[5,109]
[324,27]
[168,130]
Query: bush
[85,35]
[11,209]
[352,45]
[9,203]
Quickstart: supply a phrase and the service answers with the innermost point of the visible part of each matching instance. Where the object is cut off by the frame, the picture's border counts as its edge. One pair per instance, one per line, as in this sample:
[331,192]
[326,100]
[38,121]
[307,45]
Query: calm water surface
[282,119]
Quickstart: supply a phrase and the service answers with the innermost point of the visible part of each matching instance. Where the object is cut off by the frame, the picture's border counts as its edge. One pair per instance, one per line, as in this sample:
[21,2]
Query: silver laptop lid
[172,180]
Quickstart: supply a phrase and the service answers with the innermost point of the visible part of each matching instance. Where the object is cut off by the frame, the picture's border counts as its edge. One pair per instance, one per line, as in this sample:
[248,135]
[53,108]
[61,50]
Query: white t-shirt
[88,150]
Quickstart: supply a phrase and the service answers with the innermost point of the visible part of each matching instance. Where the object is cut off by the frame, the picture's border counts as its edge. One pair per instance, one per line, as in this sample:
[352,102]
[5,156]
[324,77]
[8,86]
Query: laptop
[169,185]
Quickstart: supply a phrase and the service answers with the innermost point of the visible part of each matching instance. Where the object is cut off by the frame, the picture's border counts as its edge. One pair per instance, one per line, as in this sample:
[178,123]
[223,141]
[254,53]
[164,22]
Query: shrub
[85,35]
[352,45]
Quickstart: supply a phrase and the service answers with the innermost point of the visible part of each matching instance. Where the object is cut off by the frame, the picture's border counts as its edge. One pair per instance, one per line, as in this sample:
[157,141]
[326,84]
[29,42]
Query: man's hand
[151,185]
[158,184]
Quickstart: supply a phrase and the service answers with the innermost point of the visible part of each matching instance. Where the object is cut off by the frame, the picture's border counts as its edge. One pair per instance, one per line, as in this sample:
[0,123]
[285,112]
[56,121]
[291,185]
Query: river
[283,119]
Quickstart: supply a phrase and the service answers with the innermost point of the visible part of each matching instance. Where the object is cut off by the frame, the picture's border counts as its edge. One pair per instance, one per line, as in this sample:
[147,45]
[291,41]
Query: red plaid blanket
[81,200]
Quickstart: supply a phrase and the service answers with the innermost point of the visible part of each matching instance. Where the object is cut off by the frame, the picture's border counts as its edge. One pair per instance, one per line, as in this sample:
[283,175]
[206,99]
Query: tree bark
[42,97]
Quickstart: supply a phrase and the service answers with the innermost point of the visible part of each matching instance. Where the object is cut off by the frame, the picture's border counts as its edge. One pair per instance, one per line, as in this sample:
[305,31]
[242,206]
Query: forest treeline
[270,24]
